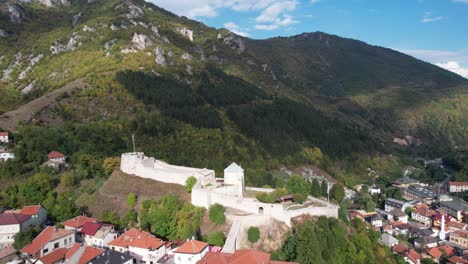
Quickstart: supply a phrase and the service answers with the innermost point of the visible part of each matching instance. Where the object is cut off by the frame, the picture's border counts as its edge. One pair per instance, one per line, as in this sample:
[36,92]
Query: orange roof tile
[73,249]
[435,253]
[461,233]
[31,209]
[399,248]
[3,134]
[54,256]
[78,221]
[192,247]
[456,225]
[457,183]
[250,256]
[457,260]
[47,235]
[89,254]
[450,251]
[414,256]
[137,238]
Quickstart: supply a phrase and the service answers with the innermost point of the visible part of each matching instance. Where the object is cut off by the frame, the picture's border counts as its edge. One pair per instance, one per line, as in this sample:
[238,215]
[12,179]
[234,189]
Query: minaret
[442,227]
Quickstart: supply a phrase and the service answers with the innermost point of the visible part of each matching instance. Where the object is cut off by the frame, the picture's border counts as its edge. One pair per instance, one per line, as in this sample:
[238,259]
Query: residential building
[98,234]
[56,156]
[56,256]
[435,253]
[10,225]
[423,194]
[6,155]
[4,137]
[37,212]
[141,245]
[82,254]
[412,257]
[190,252]
[399,249]
[460,237]
[423,214]
[455,208]
[243,256]
[398,215]
[375,220]
[454,226]
[374,190]
[456,187]
[392,203]
[388,240]
[456,260]
[425,242]
[76,224]
[49,240]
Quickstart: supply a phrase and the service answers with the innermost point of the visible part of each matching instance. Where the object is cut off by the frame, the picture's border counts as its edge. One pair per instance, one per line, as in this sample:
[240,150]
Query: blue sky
[432,30]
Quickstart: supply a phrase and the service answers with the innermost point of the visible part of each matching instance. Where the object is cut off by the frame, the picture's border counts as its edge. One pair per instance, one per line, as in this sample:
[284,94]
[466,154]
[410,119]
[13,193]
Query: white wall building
[6,155]
[10,225]
[50,239]
[229,191]
[190,252]
[4,137]
[458,187]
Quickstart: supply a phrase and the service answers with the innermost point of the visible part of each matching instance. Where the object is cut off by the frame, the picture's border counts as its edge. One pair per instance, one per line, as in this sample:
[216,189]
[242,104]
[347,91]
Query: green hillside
[218,97]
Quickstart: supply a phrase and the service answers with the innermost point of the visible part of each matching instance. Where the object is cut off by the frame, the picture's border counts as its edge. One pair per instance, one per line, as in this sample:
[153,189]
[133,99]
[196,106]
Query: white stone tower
[442,227]
[234,175]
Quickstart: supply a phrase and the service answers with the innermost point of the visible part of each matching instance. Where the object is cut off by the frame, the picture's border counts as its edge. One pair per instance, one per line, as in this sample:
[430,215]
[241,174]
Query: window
[56,245]
[45,251]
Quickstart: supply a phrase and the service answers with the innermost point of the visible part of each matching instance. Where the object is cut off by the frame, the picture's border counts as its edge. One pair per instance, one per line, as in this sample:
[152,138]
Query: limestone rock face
[88,29]
[160,59]
[235,43]
[51,3]
[17,13]
[186,56]
[134,11]
[33,61]
[141,41]
[155,31]
[59,47]
[186,33]
[76,19]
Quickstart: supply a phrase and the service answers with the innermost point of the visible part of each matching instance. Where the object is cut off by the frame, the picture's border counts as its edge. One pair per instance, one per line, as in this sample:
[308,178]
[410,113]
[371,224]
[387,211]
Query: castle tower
[234,175]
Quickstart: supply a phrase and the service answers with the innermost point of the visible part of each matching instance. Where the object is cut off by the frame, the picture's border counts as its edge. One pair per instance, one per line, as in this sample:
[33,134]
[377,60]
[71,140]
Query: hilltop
[200,96]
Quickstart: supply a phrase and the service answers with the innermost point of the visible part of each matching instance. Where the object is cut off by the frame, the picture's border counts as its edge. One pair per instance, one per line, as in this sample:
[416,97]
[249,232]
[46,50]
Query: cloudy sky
[432,30]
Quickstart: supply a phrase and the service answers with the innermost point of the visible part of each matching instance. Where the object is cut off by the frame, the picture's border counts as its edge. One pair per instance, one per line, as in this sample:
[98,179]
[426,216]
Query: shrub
[298,198]
[216,214]
[189,183]
[253,234]
[215,239]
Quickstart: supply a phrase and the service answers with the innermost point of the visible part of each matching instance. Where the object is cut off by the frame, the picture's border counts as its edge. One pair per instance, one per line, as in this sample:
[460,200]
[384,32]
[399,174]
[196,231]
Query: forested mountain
[82,76]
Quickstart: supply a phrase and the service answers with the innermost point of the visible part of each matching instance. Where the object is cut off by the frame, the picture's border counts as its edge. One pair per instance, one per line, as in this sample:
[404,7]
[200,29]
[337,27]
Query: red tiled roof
[137,238]
[461,233]
[424,211]
[245,256]
[47,235]
[55,155]
[3,134]
[215,258]
[90,228]
[73,249]
[13,218]
[456,225]
[399,248]
[450,251]
[413,256]
[435,253]
[192,247]
[458,183]
[89,254]
[54,256]
[79,221]
[31,209]
[7,252]
[457,260]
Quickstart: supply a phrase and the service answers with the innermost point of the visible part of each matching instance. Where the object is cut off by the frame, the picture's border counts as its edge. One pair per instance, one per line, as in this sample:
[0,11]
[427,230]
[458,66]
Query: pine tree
[315,188]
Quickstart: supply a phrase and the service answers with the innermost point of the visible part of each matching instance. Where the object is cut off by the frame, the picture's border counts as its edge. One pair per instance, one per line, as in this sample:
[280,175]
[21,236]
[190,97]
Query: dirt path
[10,120]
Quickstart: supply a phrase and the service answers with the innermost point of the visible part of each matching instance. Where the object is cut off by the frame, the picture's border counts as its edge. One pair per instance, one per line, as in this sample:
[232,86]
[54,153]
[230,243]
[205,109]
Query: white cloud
[233,27]
[428,18]
[454,67]
[277,15]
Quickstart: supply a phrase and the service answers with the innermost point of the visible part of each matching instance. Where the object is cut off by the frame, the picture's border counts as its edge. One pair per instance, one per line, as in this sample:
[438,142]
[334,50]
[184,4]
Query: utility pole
[328,193]
[133,142]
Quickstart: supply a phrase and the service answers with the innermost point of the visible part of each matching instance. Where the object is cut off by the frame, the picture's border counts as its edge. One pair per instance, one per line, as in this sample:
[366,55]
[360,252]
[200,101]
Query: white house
[190,252]
[98,234]
[10,225]
[374,190]
[76,224]
[56,156]
[423,214]
[37,212]
[6,155]
[398,215]
[388,240]
[141,245]
[49,240]
[458,186]
[4,137]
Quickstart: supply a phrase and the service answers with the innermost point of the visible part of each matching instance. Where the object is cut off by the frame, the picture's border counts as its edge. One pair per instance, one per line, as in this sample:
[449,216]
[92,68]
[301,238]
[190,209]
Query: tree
[297,184]
[110,164]
[215,239]
[24,237]
[67,180]
[253,234]
[337,192]
[189,183]
[313,155]
[131,218]
[307,246]
[324,188]
[298,198]
[216,214]
[131,200]
[315,188]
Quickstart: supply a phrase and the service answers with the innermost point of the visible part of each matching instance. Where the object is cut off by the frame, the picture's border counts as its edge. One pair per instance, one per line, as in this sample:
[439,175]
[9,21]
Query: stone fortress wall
[228,191]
